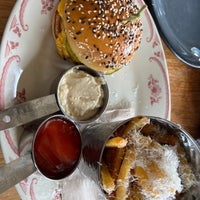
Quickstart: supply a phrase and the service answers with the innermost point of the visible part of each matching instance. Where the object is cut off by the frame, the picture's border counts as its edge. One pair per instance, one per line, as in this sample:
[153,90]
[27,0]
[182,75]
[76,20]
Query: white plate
[29,65]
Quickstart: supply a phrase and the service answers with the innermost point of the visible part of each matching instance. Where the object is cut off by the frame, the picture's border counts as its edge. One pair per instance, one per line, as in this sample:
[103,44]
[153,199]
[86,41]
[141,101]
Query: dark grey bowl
[179,26]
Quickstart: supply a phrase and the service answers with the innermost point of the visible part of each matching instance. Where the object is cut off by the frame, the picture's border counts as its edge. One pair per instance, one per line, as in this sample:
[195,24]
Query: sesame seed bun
[97,33]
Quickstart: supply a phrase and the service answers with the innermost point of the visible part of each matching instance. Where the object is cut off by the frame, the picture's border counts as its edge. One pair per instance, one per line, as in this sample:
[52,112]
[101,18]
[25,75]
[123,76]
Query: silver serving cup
[17,170]
[104,87]
[94,138]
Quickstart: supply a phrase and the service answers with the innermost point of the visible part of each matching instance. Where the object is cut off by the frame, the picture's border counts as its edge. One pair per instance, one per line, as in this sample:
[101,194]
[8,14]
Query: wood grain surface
[184,84]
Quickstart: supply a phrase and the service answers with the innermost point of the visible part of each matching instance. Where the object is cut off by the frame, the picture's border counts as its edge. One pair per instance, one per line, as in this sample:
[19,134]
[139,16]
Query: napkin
[116,115]
[80,187]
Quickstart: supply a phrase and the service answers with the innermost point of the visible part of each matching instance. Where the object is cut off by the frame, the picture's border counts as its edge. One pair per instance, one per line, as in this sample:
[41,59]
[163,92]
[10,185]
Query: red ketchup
[57,147]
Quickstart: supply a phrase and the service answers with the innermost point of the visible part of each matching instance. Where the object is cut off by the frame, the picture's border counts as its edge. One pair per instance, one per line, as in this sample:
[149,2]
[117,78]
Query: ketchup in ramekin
[57,147]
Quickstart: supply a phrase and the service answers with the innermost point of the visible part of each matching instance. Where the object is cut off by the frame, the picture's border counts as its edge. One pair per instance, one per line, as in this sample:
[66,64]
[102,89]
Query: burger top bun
[102,34]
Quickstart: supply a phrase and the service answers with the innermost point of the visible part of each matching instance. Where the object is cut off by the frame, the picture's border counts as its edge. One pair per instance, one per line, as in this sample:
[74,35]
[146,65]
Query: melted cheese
[61,37]
[63,47]
[61,7]
[60,44]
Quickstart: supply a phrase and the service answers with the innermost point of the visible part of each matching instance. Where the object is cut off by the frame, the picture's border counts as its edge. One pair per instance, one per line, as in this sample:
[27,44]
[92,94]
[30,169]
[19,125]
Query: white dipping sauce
[80,94]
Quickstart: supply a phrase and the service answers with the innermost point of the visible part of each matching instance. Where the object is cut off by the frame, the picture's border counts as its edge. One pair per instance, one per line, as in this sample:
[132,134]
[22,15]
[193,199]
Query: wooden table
[185,92]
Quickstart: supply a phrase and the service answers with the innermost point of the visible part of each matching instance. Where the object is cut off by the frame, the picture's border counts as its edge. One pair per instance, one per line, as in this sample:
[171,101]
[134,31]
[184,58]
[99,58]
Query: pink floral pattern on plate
[47,6]
[158,58]
[156,90]
[20,96]
[17,27]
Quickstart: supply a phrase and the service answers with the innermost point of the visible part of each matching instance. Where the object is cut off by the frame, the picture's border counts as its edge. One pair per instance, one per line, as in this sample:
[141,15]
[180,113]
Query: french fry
[156,171]
[117,142]
[136,124]
[117,161]
[140,173]
[123,178]
[168,139]
[113,158]
[106,179]
[120,159]
[143,178]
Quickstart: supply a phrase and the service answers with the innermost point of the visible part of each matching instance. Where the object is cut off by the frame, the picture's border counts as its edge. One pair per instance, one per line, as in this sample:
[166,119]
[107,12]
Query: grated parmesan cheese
[156,168]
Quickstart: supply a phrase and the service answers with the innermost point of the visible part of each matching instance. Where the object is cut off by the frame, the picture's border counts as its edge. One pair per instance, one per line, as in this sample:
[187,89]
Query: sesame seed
[94,30]
[101,3]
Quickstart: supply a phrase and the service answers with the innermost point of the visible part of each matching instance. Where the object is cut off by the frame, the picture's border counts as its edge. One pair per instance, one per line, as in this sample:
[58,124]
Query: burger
[102,34]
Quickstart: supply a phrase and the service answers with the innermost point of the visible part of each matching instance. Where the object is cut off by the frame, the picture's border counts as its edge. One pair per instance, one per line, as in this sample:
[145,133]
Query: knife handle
[16,171]
[28,111]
